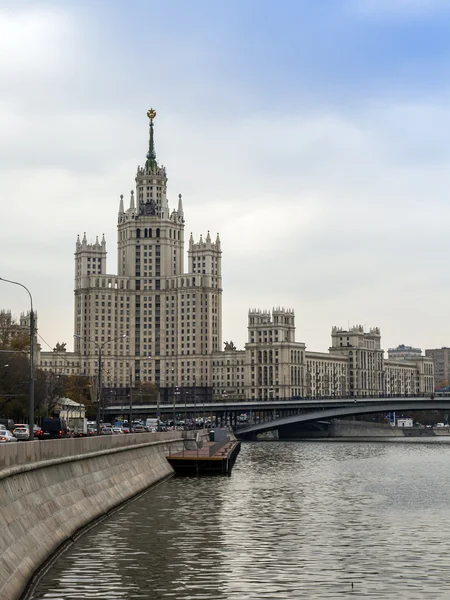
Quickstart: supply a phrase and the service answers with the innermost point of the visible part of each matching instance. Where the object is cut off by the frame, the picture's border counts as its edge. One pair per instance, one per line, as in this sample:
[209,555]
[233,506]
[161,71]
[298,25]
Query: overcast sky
[313,136]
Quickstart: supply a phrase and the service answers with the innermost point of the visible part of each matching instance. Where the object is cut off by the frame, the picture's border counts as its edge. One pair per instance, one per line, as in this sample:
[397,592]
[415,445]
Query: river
[294,520]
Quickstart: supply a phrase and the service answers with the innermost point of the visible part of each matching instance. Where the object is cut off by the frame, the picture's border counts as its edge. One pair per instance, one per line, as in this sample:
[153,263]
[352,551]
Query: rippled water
[294,520]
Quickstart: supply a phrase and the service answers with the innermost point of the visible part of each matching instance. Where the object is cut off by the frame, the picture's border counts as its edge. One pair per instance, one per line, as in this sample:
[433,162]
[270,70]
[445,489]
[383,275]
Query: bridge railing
[205,406]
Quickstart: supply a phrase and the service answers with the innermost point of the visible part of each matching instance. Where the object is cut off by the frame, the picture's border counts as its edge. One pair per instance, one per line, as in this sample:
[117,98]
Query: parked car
[6,436]
[21,432]
[105,430]
[125,429]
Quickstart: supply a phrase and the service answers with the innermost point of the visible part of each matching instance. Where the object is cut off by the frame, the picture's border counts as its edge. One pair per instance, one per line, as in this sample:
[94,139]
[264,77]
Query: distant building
[406,422]
[403,352]
[365,359]
[326,375]
[441,360]
[275,361]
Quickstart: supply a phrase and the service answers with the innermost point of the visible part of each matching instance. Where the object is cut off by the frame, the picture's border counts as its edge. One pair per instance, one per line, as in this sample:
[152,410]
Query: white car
[117,430]
[6,436]
[21,432]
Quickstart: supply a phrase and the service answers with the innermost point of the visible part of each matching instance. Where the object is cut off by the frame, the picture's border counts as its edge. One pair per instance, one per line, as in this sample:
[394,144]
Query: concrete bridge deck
[353,408]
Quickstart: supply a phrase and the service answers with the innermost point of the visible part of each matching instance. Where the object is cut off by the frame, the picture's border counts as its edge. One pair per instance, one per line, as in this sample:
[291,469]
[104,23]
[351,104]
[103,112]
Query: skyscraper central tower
[172,320]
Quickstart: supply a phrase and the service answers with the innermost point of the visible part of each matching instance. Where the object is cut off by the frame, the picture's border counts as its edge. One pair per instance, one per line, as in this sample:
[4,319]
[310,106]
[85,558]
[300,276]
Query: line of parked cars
[10,432]
[121,427]
[55,427]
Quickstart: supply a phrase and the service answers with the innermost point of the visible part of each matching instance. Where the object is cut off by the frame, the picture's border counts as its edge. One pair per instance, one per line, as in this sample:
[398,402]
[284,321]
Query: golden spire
[151,114]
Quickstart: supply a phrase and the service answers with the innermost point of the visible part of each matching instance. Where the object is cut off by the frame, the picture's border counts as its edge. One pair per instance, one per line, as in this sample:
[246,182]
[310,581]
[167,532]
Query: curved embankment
[49,490]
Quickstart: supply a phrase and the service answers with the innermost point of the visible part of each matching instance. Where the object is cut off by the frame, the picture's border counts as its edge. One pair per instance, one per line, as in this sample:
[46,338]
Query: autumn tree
[147,393]
[81,389]
[48,389]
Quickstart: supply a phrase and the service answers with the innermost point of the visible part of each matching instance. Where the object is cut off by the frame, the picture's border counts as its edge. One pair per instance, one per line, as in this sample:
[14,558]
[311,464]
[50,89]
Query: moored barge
[215,457]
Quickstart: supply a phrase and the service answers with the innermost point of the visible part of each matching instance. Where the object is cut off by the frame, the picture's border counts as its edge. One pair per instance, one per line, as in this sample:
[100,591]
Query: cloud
[337,209]
[31,40]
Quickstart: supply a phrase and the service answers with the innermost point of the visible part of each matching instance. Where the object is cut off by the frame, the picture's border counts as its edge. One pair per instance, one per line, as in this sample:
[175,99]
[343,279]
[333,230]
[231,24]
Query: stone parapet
[57,487]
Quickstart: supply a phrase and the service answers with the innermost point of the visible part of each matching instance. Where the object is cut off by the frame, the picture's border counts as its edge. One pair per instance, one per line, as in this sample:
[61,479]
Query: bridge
[271,414]
[363,406]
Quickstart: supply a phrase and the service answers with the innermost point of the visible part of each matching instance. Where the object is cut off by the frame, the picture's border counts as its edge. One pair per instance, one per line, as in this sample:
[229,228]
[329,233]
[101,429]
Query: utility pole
[31,401]
[99,391]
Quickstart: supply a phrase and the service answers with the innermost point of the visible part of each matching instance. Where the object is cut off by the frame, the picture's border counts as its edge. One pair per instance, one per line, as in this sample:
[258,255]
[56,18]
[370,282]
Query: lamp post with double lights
[31,398]
[130,382]
[99,383]
[131,395]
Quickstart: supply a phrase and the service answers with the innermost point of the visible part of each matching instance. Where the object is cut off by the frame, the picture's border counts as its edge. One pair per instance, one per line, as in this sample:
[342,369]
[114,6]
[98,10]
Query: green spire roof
[151,163]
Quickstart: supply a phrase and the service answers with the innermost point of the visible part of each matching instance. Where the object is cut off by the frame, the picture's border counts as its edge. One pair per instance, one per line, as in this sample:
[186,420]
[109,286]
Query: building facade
[152,320]
[441,360]
[274,366]
[327,375]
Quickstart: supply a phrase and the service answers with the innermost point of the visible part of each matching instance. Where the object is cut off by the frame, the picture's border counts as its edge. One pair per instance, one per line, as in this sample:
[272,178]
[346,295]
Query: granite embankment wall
[50,490]
[344,428]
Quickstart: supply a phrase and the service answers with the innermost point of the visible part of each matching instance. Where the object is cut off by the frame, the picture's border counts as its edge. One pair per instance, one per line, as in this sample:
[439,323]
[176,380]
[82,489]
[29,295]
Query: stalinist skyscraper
[163,323]
[154,323]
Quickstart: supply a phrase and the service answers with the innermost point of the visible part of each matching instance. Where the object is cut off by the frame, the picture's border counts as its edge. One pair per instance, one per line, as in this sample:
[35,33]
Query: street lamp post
[99,371]
[130,382]
[175,393]
[195,403]
[131,398]
[31,398]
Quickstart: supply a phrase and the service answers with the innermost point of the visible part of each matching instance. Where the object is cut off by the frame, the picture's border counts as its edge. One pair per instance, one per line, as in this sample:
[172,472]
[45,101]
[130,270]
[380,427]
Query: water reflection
[293,520]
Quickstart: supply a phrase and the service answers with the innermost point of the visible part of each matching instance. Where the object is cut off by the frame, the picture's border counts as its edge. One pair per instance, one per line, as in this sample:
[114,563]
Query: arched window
[138,233]
[157,232]
[146,232]
[193,281]
[150,232]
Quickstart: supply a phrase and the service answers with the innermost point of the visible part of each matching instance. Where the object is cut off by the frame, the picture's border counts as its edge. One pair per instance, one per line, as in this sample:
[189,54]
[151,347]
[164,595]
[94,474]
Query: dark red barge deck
[209,459]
